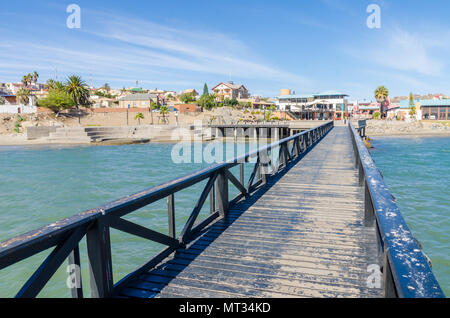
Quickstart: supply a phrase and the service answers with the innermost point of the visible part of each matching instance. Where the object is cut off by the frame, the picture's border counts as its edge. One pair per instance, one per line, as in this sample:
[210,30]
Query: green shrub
[376,115]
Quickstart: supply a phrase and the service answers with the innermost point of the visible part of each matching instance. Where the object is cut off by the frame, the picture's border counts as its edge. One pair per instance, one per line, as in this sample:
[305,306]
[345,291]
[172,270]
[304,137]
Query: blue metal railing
[407,272]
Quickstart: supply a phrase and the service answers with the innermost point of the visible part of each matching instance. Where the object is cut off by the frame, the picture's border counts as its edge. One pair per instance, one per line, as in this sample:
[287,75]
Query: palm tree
[164,111]
[34,77]
[52,84]
[106,87]
[153,106]
[23,96]
[26,80]
[381,94]
[138,117]
[78,90]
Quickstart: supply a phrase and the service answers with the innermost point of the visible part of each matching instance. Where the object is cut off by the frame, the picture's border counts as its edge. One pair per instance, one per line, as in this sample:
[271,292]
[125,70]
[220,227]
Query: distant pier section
[271,130]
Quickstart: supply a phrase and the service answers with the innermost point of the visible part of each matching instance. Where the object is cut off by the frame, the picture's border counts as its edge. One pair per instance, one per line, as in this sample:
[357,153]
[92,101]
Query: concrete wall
[17,109]
[40,132]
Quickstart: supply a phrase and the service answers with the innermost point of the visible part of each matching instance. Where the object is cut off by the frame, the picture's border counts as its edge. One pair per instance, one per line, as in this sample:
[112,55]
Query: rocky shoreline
[388,128]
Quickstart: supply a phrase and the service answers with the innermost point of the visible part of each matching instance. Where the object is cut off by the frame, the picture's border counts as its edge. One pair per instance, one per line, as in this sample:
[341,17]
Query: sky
[307,46]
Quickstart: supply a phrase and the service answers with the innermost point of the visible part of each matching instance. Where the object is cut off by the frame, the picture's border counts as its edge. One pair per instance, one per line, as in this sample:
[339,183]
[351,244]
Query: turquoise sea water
[39,185]
[417,172]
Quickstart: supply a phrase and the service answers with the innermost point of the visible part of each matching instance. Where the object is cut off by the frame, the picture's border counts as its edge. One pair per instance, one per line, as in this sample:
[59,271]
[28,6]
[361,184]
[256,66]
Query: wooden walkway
[302,235]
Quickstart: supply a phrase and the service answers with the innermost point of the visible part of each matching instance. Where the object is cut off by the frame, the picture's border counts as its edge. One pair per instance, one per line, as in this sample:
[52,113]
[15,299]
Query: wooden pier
[314,219]
[301,236]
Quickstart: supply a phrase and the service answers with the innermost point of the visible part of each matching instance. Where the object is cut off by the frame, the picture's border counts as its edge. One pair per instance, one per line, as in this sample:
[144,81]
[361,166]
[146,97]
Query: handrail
[406,270]
[95,224]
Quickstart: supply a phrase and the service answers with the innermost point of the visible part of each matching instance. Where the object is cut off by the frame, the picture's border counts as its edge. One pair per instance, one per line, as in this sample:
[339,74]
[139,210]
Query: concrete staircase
[101,134]
[69,135]
[86,135]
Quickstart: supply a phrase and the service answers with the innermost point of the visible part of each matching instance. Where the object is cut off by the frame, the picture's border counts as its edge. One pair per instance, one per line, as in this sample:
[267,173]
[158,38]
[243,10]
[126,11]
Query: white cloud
[146,51]
[409,52]
[397,49]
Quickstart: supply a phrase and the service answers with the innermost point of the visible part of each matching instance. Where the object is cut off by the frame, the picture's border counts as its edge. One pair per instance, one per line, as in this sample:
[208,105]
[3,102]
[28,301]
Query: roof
[404,103]
[230,85]
[295,96]
[133,97]
[435,102]
[328,93]
[368,107]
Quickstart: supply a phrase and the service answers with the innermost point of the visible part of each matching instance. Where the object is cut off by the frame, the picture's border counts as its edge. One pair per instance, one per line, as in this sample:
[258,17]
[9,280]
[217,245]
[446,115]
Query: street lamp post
[127,113]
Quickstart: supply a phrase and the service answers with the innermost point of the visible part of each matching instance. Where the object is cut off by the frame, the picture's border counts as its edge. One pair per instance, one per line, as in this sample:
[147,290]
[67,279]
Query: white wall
[14,109]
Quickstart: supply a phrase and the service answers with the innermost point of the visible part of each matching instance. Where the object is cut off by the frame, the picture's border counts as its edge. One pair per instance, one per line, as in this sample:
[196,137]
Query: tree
[78,90]
[23,96]
[164,110]
[2,101]
[233,102]
[412,105]
[187,98]
[381,94]
[57,100]
[27,79]
[205,90]
[34,77]
[153,106]
[138,117]
[411,100]
[52,84]
[106,87]
[207,101]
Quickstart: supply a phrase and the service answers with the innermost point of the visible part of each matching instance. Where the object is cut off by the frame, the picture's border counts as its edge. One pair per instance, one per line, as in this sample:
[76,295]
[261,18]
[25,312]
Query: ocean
[417,172]
[43,184]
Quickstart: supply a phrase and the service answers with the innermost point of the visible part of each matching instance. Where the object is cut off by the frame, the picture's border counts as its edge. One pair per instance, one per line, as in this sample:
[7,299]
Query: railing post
[75,265]
[99,254]
[388,280]
[212,199]
[368,207]
[171,215]
[361,174]
[241,174]
[222,193]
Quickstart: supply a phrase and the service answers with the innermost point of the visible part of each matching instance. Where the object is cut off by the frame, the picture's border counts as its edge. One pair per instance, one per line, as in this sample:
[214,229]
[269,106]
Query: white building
[321,106]
[231,91]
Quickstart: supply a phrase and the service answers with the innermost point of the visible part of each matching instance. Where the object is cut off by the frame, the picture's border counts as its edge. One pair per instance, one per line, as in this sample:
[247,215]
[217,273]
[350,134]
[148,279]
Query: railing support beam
[222,193]
[171,215]
[369,213]
[99,254]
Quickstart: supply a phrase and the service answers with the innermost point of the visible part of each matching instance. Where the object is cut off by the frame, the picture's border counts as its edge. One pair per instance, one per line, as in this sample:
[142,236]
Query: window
[434,113]
[443,113]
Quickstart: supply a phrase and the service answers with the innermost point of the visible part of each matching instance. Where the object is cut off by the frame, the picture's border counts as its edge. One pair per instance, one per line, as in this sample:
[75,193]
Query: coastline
[21,139]
[406,135]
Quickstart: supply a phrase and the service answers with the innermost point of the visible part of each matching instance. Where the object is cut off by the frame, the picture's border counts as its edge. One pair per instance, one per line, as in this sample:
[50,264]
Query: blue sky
[308,46]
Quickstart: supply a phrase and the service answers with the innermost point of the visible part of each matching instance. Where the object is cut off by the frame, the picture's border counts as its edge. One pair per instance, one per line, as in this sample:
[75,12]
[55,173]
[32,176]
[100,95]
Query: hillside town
[24,97]
[73,103]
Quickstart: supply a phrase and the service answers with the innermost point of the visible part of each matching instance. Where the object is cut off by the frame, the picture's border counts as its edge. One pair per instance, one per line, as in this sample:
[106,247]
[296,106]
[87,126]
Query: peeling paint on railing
[412,274]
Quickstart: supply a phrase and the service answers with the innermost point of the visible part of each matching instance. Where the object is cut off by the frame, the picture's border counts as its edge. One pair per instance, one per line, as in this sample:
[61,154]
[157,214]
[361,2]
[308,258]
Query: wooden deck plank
[302,235]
